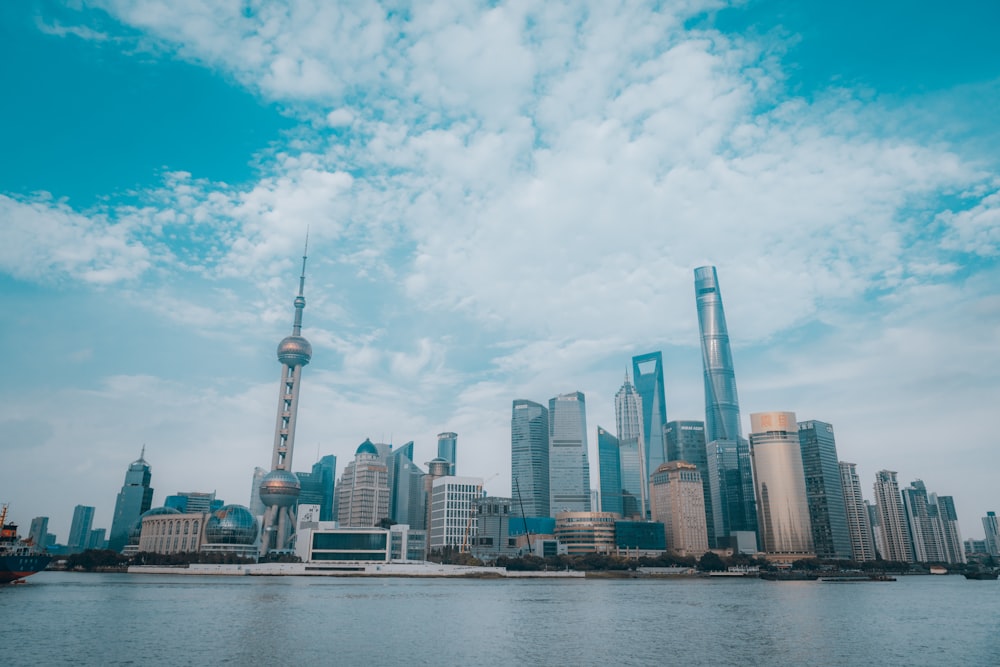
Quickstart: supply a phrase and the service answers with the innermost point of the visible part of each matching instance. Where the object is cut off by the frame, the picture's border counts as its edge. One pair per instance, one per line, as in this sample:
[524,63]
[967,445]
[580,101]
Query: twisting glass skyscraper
[631,451]
[731,478]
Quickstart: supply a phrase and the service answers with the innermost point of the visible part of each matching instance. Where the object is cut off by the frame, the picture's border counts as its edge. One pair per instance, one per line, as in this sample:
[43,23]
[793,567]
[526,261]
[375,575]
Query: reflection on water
[69,618]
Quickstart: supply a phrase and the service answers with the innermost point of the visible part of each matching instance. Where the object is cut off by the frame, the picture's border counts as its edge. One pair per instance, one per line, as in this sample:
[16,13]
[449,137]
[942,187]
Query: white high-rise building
[893,537]
[363,490]
[631,451]
[453,519]
[569,467]
[859,526]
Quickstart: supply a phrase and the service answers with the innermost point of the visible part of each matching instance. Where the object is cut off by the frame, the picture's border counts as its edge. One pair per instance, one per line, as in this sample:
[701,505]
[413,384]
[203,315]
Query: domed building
[231,529]
[363,490]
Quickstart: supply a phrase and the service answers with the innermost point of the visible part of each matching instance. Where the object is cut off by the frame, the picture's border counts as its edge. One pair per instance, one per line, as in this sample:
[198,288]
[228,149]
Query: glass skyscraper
[569,468]
[785,529]
[647,371]
[407,504]
[448,449]
[686,442]
[631,452]
[824,490]
[529,455]
[135,498]
[79,530]
[730,470]
[610,468]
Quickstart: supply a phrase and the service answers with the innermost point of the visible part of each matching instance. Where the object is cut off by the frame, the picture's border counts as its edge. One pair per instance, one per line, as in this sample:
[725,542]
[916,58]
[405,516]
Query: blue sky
[504,200]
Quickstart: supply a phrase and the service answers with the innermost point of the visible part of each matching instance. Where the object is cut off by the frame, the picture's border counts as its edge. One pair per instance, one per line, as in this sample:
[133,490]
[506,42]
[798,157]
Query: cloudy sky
[504,200]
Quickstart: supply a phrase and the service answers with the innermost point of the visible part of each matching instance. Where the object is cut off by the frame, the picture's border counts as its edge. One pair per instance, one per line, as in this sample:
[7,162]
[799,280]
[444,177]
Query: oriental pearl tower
[279,490]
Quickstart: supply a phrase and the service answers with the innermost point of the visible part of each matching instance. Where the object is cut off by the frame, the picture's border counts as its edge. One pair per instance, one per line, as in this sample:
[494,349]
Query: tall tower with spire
[279,490]
[135,498]
[632,451]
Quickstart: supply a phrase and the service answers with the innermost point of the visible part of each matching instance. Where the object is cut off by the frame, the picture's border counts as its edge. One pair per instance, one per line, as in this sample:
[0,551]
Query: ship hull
[13,568]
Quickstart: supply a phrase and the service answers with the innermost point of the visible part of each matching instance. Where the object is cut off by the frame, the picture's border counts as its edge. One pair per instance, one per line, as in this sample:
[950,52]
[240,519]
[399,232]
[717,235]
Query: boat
[788,575]
[937,569]
[855,578]
[18,558]
[982,575]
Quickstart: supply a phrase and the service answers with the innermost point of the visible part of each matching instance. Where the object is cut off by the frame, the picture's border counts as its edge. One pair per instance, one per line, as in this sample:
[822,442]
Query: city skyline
[474,244]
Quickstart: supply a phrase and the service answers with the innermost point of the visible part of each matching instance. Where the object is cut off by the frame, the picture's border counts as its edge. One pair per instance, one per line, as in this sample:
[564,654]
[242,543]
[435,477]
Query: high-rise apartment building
[647,371]
[631,452]
[824,490]
[677,500]
[685,441]
[448,449]
[730,469]
[79,530]
[925,530]
[609,464]
[279,489]
[363,490]
[992,529]
[783,507]
[954,551]
[529,450]
[891,530]
[569,467]
[135,498]
[859,527]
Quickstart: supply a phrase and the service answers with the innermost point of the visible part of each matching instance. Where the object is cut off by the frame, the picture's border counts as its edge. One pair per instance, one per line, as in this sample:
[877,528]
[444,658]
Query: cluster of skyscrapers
[681,485]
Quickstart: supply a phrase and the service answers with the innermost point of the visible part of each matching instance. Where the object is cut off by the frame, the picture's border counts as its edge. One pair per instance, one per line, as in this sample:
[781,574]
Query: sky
[503,200]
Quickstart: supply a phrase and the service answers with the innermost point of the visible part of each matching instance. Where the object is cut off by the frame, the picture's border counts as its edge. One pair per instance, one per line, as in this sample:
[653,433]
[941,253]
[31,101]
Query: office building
[363,490]
[677,500]
[859,527]
[96,539]
[256,504]
[824,490]
[569,467]
[134,498]
[407,504]
[38,533]
[992,531]
[193,502]
[448,449]
[79,530]
[279,489]
[730,469]
[782,505]
[638,539]
[317,486]
[586,532]
[892,532]
[493,528]
[631,452]
[609,465]
[647,372]
[453,519]
[685,441]
[529,445]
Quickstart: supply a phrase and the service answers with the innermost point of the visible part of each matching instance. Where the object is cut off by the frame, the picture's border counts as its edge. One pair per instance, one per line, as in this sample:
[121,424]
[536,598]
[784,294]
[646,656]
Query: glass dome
[231,524]
[135,530]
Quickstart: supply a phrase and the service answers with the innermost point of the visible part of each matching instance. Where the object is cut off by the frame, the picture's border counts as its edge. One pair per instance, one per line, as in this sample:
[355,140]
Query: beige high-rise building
[677,500]
[363,491]
[780,484]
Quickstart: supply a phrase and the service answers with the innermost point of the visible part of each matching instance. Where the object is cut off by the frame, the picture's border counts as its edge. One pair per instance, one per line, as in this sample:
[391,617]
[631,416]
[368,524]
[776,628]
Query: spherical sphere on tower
[279,488]
[294,351]
[231,524]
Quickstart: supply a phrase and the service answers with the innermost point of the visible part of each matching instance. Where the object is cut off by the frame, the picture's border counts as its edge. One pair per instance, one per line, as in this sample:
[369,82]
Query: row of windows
[168,527]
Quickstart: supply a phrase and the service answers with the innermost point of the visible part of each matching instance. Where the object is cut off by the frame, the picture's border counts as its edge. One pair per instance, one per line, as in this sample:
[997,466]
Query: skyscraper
[954,552]
[925,530]
[79,530]
[730,470]
[279,490]
[317,487]
[685,441]
[39,531]
[609,465]
[824,490]
[892,532]
[677,500]
[406,488]
[529,450]
[134,499]
[785,531]
[992,530]
[631,452]
[448,449]
[647,371]
[363,491]
[569,468]
[859,527]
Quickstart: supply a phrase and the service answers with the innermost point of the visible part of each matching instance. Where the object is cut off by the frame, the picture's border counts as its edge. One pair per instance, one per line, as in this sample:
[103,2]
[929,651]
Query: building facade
[647,373]
[407,504]
[586,532]
[925,530]
[38,533]
[363,491]
[448,449]
[891,531]
[686,442]
[632,452]
[529,445]
[134,498]
[493,528]
[569,467]
[991,527]
[783,507]
[79,530]
[859,527]
[173,533]
[824,490]
[945,511]
[453,517]
[677,500]
[609,465]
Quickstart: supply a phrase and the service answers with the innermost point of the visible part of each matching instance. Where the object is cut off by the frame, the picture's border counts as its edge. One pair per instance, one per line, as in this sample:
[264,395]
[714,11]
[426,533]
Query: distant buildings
[135,497]
[492,537]
[529,445]
[79,531]
[609,466]
[317,487]
[824,490]
[448,449]
[892,534]
[569,468]
[677,500]
[686,442]
[859,528]
[782,504]
[992,531]
[631,452]
[193,501]
[453,519]
[38,533]
[586,532]
[407,499]
[647,372]
[363,490]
